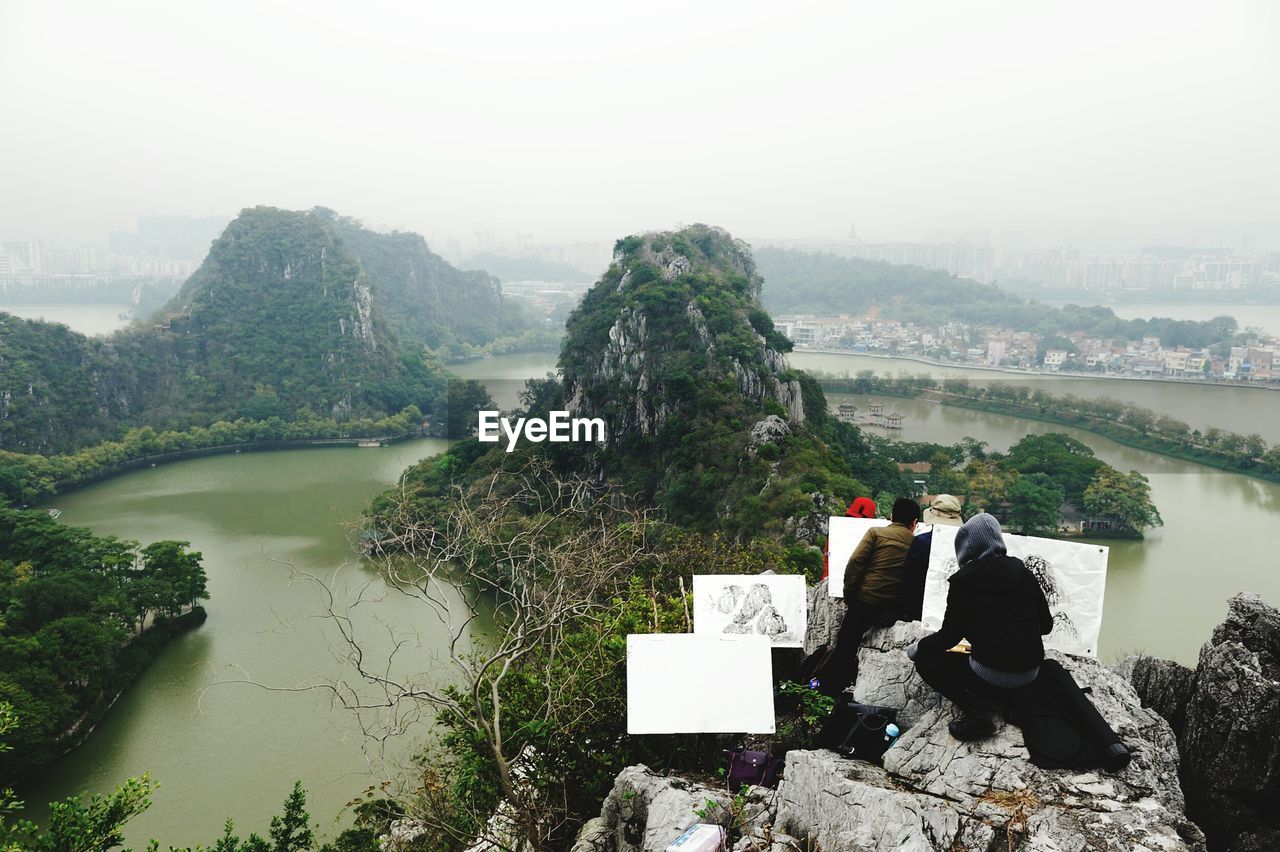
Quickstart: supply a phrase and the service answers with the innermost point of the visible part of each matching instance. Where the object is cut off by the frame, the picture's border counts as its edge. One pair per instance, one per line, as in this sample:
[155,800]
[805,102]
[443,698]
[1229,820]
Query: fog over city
[1024,125]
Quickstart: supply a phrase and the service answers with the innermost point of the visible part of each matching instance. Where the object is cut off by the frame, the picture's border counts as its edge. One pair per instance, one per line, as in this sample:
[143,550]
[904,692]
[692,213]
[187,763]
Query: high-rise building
[959,259]
[177,237]
[25,255]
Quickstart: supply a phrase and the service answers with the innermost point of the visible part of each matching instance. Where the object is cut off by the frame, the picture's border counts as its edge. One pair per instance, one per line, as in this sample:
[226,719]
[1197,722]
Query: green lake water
[222,749]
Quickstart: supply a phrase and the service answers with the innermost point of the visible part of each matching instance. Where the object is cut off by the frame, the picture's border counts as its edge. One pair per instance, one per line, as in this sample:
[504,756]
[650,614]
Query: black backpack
[858,730]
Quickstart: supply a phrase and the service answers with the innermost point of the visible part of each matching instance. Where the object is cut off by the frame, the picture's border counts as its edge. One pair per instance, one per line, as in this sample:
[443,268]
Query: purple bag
[752,767]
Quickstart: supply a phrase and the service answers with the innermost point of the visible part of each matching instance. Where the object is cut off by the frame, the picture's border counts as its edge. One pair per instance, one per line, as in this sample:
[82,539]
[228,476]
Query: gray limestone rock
[770,430]
[812,526]
[935,793]
[646,811]
[404,835]
[1226,715]
[1163,685]
[592,837]
[825,615]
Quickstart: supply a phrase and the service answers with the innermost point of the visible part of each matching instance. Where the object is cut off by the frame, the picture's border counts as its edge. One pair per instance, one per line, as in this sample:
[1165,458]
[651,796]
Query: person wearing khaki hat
[945,509]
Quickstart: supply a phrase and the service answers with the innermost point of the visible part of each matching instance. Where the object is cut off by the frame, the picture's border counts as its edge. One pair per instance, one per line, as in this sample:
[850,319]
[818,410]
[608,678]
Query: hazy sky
[591,120]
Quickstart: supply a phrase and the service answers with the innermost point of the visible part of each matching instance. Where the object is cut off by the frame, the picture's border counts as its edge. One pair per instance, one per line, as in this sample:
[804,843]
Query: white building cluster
[960,344]
[170,247]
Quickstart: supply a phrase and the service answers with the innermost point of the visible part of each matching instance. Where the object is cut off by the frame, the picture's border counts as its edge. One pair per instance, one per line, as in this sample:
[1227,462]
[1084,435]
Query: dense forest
[80,617]
[1028,486]
[825,284]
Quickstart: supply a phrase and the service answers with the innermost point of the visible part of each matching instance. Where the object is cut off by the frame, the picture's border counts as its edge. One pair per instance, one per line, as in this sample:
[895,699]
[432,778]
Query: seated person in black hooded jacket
[995,603]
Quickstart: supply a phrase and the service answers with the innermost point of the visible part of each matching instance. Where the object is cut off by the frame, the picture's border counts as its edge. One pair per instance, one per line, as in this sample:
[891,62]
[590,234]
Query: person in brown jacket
[873,581]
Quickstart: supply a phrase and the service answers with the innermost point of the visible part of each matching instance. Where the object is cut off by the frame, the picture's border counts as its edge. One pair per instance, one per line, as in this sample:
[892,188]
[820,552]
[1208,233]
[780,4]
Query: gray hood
[978,538]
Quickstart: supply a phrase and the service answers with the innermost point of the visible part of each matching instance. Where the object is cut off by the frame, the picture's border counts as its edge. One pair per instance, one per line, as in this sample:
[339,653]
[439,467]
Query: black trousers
[949,674]
[840,668]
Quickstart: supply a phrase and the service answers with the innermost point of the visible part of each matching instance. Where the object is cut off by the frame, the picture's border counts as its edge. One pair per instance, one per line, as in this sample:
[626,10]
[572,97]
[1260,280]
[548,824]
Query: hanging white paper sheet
[843,535]
[685,683]
[1072,574]
[772,605]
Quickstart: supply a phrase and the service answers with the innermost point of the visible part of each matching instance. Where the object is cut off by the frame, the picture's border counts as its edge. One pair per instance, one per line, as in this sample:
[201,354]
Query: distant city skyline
[168,246]
[1098,238]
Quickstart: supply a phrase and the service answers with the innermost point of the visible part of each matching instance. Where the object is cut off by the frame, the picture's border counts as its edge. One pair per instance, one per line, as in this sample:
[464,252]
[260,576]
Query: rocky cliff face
[1226,715]
[676,314]
[933,793]
[424,299]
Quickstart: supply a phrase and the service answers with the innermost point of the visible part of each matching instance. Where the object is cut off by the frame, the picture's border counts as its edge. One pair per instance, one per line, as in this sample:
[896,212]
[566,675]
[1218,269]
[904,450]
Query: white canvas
[1072,574]
[772,605]
[843,535]
[687,683]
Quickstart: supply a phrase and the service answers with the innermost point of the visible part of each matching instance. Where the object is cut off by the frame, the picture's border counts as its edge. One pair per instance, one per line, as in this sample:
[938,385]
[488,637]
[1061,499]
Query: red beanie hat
[863,507]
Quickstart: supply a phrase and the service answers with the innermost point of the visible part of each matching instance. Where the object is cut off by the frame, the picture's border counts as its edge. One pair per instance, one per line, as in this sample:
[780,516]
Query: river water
[234,750]
[88,318]
[1234,409]
[222,749]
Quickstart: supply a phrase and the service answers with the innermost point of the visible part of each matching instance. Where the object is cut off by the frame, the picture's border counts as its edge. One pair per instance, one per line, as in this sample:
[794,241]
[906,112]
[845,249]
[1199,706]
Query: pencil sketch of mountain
[766,605]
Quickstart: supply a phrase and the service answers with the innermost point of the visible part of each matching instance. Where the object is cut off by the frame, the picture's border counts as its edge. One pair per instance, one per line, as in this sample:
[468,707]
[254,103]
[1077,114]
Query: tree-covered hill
[280,316]
[823,283]
[719,458]
[425,300]
[705,419]
[291,315]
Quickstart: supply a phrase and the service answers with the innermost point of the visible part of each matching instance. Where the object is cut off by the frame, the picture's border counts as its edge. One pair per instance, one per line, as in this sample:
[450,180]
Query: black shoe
[972,726]
[1116,757]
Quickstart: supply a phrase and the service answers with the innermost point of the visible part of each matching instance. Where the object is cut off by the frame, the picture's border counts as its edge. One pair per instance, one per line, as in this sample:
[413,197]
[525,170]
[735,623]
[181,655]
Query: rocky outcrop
[688,298]
[825,615]
[1226,715]
[404,835]
[645,811]
[935,793]
[1163,685]
[810,527]
[771,430]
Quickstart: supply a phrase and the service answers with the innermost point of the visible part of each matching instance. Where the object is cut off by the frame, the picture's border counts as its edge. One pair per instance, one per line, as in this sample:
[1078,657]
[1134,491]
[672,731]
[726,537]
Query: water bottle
[891,732]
